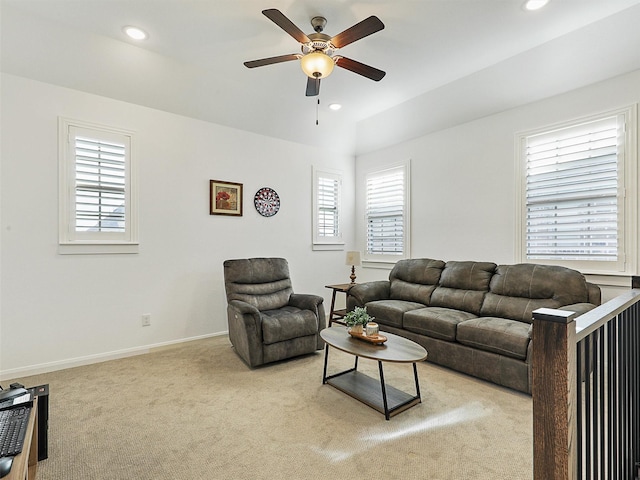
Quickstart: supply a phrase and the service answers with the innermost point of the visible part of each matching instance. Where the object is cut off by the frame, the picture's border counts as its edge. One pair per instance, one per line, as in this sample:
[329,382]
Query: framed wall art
[225,198]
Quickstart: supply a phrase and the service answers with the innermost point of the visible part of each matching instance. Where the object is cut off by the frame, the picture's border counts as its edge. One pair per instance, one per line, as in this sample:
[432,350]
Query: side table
[338,315]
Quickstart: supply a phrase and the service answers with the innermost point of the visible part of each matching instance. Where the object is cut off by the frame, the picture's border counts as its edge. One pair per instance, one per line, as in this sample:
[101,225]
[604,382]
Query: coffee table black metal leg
[415,375]
[326,378]
[326,358]
[384,392]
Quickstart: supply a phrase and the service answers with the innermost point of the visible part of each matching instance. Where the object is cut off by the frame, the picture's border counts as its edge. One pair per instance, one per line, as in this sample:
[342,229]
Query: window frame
[322,242]
[388,260]
[71,241]
[627,225]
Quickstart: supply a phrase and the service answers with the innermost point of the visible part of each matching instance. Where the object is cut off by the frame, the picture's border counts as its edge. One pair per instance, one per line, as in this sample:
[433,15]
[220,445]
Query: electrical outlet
[146,319]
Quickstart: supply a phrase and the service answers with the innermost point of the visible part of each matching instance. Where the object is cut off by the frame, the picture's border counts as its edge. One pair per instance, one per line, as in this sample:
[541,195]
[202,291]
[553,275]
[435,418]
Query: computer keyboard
[13,428]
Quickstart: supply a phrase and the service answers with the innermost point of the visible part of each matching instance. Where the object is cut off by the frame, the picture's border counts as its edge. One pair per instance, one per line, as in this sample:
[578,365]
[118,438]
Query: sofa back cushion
[261,282]
[516,290]
[463,286]
[414,280]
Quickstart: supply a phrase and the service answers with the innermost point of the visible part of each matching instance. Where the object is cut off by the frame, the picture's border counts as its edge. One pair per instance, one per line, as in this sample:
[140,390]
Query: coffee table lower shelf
[373,392]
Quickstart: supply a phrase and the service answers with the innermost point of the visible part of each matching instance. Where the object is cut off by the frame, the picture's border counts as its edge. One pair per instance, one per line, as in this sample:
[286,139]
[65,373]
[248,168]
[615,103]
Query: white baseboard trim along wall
[98,358]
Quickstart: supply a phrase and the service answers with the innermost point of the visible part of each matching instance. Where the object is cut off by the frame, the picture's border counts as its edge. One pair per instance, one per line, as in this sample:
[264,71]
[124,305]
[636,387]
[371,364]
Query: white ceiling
[192,62]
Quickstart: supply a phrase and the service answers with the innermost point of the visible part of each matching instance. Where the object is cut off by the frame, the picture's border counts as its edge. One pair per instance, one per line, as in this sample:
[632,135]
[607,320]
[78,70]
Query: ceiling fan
[318,55]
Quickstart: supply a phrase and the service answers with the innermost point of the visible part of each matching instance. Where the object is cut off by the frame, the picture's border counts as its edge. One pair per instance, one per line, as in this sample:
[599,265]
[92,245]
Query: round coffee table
[384,398]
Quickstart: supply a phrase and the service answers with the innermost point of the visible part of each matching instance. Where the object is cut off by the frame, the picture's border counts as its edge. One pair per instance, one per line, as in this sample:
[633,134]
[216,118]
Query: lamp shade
[317,64]
[353,258]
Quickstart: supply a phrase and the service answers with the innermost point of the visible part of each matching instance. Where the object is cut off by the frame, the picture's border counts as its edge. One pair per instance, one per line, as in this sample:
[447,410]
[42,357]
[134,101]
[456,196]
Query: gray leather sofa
[474,317]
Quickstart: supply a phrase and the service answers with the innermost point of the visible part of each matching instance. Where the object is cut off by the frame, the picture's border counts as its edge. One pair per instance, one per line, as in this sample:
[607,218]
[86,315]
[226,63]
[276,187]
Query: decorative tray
[375,339]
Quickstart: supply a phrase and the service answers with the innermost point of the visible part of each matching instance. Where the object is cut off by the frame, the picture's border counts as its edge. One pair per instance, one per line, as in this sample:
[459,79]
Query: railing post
[554,393]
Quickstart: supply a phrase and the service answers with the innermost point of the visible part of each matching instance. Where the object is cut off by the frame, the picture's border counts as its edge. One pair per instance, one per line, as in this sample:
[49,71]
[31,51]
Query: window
[97,202]
[387,214]
[327,220]
[579,195]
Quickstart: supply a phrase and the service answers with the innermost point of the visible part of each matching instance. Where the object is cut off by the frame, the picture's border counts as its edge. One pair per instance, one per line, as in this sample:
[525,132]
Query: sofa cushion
[498,335]
[467,275]
[287,323]
[413,280]
[436,322]
[390,312]
[463,286]
[516,290]
[514,308]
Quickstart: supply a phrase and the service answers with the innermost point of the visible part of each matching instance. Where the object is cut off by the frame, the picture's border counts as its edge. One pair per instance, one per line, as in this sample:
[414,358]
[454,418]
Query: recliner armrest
[305,301]
[362,293]
[243,307]
[314,303]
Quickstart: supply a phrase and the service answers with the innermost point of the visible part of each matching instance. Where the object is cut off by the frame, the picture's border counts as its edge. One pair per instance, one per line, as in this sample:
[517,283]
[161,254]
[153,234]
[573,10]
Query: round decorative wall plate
[267,202]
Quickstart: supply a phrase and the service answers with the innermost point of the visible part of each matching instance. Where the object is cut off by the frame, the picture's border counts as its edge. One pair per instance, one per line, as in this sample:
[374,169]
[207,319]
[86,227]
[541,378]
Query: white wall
[61,310]
[463,188]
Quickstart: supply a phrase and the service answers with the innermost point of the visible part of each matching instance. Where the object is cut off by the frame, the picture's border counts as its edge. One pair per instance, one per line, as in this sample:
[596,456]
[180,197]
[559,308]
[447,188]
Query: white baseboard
[89,359]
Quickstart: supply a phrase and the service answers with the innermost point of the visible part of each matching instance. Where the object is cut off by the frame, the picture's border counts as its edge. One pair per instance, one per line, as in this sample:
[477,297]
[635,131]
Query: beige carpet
[196,411]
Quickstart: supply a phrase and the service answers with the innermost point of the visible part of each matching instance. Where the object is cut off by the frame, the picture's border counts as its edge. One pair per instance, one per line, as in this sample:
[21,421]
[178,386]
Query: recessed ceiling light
[535,4]
[335,106]
[135,32]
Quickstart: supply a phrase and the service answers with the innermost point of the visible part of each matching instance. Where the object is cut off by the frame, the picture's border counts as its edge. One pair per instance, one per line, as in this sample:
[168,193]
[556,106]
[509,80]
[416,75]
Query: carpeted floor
[196,411]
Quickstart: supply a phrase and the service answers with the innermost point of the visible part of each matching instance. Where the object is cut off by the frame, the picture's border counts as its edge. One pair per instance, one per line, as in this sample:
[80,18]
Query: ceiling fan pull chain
[317,108]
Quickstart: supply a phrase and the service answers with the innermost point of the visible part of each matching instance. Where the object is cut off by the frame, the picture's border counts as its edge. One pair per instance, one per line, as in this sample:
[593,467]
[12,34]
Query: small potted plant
[357,319]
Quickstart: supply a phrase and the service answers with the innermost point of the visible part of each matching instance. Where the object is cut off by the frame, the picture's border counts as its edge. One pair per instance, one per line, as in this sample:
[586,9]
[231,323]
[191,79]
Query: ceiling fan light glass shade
[317,64]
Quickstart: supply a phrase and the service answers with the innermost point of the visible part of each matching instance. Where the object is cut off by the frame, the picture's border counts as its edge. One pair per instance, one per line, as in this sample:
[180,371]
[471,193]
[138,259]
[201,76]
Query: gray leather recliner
[267,321]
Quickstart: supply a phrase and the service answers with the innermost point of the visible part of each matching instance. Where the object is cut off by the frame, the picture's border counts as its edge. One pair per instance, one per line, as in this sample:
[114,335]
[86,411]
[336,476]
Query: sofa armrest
[362,293]
[578,308]
[595,294]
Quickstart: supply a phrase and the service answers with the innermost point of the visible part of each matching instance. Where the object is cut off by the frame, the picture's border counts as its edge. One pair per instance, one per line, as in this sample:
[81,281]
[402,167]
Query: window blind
[573,179]
[328,197]
[385,212]
[100,168]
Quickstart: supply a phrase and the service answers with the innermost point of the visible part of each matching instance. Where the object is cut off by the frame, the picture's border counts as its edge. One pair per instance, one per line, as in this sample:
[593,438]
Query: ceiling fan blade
[271,60]
[360,30]
[313,87]
[277,17]
[360,68]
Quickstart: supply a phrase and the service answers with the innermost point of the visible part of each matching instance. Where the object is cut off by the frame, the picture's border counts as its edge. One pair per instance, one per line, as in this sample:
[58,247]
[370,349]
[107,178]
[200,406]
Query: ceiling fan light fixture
[317,64]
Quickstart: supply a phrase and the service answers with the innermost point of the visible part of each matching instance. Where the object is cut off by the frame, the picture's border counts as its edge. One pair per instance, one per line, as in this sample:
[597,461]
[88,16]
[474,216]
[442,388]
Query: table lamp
[353,259]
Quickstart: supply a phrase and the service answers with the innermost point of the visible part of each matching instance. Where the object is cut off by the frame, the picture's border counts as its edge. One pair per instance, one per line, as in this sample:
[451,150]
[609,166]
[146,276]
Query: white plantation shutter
[572,189]
[328,196]
[386,218]
[100,200]
[97,199]
[327,214]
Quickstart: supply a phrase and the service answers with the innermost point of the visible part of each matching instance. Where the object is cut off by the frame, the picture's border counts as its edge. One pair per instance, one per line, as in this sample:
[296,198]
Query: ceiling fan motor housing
[319,41]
